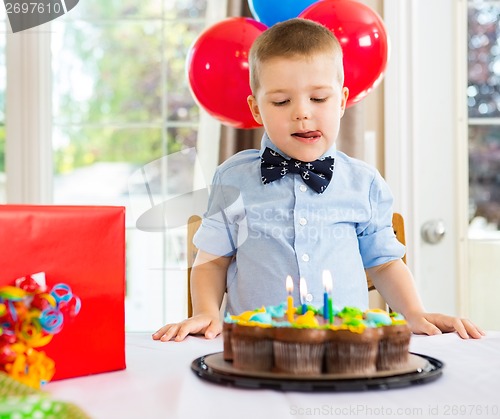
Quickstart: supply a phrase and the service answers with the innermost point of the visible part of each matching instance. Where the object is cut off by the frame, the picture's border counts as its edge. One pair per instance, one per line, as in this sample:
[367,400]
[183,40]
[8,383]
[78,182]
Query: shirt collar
[266,142]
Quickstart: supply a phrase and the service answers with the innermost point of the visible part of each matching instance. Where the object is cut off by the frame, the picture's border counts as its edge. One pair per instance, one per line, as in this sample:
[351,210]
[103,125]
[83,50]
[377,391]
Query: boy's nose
[302,112]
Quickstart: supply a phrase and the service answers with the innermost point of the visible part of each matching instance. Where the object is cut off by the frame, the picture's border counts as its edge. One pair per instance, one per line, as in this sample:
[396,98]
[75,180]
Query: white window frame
[28,160]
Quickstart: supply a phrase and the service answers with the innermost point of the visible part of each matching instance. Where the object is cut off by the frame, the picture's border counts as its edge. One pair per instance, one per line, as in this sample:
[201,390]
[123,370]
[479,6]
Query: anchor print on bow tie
[316,174]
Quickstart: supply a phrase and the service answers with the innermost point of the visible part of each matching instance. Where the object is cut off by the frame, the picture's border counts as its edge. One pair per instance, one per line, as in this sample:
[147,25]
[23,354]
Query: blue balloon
[270,12]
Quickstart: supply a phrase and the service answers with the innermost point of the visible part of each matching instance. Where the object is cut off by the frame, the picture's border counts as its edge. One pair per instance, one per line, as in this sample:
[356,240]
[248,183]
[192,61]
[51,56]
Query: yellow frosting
[253,324]
[377,310]
[245,316]
[307,320]
[355,329]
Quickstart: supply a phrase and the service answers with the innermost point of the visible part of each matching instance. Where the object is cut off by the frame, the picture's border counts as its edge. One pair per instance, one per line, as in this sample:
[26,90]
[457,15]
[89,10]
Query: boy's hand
[436,323]
[200,324]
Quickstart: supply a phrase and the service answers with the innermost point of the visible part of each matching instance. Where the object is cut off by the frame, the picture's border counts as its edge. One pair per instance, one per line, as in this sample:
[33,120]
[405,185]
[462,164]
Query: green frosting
[350,312]
[396,316]
[315,310]
[352,321]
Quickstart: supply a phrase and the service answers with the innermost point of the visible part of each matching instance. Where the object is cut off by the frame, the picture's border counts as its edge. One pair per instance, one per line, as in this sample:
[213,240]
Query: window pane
[133,9]
[484,116]
[185,9]
[484,59]
[121,109]
[179,36]
[180,138]
[116,9]
[99,160]
[484,176]
[97,81]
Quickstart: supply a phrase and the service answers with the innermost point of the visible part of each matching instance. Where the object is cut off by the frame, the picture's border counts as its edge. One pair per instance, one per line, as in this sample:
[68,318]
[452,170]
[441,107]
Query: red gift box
[84,247]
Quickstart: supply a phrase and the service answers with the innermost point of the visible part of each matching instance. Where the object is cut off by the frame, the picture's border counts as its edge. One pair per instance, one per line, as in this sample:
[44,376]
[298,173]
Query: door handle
[433,231]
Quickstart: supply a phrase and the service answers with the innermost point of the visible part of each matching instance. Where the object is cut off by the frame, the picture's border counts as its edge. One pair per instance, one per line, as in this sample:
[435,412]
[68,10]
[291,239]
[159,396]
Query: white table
[159,383]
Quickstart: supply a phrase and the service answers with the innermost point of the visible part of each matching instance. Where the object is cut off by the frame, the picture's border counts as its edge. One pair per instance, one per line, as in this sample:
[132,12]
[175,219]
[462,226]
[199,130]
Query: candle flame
[327,280]
[289,284]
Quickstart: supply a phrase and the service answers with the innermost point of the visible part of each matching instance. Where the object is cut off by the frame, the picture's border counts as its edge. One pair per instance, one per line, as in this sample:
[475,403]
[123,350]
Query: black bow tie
[316,174]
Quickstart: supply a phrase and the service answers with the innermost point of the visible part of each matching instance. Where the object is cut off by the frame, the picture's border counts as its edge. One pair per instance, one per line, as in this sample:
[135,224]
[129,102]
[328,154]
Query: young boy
[298,206]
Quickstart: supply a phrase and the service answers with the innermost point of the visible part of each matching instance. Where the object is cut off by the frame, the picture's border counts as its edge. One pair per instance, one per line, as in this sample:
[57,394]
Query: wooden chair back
[194,223]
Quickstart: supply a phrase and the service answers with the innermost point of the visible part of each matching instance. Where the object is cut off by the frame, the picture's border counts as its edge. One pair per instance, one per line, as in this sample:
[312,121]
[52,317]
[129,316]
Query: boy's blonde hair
[291,38]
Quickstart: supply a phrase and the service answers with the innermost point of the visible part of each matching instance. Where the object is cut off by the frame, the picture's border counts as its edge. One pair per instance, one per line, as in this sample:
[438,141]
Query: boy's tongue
[309,134]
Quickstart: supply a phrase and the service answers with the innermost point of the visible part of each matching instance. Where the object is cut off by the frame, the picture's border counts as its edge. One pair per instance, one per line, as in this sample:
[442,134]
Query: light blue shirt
[285,228]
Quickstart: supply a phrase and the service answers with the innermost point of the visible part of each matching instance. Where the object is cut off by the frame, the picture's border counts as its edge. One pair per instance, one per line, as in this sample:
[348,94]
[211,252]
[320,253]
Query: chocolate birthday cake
[283,340]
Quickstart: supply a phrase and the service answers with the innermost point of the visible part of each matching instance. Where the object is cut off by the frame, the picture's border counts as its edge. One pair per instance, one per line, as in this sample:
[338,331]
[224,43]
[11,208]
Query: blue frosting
[277,311]
[282,324]
[378,318]
[262,318]
[228,319]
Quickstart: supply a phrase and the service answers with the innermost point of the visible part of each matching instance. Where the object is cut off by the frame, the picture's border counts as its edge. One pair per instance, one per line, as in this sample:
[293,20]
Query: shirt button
[309,298]
[305,257]
[302,221]
[303,188]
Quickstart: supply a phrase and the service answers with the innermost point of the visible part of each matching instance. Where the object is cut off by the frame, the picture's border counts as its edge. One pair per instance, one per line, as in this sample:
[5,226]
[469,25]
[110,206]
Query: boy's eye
[281,103]
[318,99]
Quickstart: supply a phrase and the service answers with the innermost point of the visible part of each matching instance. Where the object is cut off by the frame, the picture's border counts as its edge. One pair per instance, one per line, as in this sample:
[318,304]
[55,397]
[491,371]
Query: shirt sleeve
[377,242]
[218,233]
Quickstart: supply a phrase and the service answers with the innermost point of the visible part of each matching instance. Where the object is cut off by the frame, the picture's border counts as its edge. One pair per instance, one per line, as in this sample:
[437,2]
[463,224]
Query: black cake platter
[421,369]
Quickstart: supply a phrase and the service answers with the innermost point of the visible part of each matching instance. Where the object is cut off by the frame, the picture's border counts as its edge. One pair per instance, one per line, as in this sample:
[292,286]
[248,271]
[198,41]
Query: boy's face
[300,102]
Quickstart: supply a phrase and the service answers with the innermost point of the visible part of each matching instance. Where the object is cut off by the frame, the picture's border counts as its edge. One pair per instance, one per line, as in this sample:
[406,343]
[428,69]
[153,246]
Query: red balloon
[218,71]
[363,37]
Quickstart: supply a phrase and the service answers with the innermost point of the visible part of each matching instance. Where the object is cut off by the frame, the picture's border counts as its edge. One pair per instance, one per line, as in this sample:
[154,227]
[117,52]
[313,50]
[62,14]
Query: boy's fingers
[169,333]
[426,327]
[161,332]
[459,326]
[158,333]
[213,330]
[193,325]
[181,334]
[431,329]
[472,330]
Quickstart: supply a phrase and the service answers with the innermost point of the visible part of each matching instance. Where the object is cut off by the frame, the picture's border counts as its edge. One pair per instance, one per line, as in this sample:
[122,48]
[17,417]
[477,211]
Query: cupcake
[227,329]
[252,346]
[352,347]
[393,347]
[299,349]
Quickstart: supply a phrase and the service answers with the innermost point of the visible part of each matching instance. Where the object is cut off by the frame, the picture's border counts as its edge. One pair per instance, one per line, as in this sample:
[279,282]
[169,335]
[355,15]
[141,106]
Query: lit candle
[289,289]
[327,285]
[303,295]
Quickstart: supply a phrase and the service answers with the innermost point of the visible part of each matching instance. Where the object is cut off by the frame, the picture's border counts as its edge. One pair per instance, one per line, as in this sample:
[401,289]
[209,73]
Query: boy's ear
[343,102]
[254,108]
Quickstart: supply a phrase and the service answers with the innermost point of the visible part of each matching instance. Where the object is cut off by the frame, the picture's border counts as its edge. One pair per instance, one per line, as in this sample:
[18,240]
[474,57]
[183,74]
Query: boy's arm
[395,283]
[208,284]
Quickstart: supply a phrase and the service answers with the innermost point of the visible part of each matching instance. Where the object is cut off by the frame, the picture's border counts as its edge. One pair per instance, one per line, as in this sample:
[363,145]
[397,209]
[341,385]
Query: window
[121,103]
[484,114]
[118,110]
